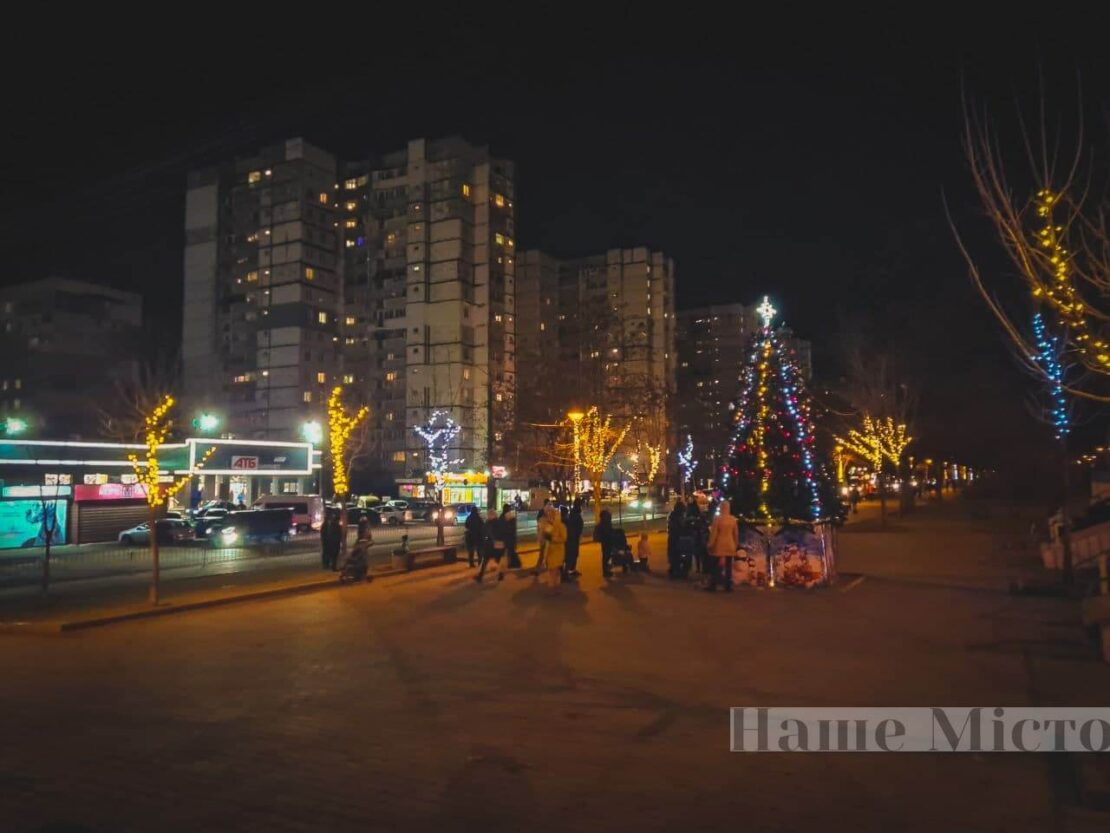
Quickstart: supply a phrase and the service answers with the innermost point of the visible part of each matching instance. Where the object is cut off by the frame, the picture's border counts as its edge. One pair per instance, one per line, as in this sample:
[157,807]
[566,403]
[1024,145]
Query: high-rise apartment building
[65,345]
[606,324]
[262,289]
[428,265]
[712,346]
[394,276]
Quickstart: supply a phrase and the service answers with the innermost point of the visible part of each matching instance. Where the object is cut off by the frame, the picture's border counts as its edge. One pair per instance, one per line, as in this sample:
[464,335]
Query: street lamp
[14,426]
[207,423]
[313,432]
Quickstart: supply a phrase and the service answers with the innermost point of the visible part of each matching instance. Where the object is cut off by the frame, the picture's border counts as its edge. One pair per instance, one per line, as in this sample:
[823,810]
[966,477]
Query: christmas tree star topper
[766,311]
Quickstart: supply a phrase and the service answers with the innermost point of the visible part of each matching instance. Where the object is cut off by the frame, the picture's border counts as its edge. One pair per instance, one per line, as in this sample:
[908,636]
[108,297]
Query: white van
[308,510]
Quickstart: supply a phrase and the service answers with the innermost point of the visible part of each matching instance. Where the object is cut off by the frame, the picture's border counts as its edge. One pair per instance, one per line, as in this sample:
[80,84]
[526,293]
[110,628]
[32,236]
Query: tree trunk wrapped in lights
[687,463]
[156,428]
[438,432]
[878,440]
[341,426]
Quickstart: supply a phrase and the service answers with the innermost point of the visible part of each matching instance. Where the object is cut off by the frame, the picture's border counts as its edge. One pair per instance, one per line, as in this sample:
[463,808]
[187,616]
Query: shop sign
[244,463]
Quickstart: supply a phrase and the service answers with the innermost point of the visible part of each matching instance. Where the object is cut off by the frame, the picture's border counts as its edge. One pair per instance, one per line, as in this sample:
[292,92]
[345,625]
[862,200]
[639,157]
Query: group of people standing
[709,547]
[490,539]
[331,537]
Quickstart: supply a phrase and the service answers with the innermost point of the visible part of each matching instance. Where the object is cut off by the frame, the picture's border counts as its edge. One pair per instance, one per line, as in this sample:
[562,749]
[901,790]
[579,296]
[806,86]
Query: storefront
[89,491]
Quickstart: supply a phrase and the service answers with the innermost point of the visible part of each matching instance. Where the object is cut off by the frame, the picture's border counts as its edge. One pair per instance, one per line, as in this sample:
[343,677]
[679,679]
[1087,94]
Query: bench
[424,557]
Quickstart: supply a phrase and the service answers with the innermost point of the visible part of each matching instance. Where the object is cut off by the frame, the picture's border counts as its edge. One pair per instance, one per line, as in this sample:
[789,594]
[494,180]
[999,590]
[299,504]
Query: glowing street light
[14,426]
[313,432]
[207,423]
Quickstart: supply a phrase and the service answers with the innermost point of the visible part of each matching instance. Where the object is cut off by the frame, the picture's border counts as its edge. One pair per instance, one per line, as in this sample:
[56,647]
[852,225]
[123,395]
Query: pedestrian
[364,533]
[575,525]
[473,534]
[493,545]
[643,552]
[325,532]
[853,499]
[675,529]
[508,529]
[603,534]
[555,532]
[541,518]
[698,532]
[724,540]
[332,535]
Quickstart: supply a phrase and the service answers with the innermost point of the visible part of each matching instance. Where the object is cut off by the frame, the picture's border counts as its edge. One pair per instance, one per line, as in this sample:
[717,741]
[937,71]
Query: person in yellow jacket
[554,532]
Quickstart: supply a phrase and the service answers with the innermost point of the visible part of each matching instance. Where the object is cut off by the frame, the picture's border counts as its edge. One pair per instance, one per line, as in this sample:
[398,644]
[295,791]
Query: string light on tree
[597,440]
[771,471]
[686,461]
[341,425]
[437,433]
[1048,357]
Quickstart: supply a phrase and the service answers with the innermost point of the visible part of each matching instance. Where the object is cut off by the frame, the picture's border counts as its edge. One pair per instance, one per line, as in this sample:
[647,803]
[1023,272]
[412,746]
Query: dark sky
[808,165]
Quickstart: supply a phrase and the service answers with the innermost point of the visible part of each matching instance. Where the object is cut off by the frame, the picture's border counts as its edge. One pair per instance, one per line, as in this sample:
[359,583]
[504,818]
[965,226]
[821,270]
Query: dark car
[208,522]
[167,530]
[254,526]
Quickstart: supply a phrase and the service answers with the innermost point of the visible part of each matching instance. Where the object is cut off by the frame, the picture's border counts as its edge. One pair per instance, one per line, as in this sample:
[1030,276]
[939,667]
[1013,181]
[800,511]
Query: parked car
[209,521]
[395,515]
[421,509]
[448,513]
[397,503]
[168,531]
[254,526]
[462,511]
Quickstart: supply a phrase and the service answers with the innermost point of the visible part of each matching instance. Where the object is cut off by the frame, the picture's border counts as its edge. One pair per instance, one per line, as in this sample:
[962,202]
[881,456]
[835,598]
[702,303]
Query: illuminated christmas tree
[771,472]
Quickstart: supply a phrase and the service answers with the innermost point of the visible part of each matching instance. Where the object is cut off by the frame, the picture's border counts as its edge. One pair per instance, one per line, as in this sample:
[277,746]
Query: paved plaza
[427,702]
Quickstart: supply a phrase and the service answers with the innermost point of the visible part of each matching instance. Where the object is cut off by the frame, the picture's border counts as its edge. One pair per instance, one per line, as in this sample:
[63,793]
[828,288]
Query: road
[428,702]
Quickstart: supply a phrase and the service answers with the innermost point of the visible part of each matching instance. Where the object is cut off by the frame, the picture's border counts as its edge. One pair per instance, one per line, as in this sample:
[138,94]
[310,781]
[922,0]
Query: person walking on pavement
[696,530]
[575,525]
[603,534]
[541,518]
[493,546]
[474,534]
[675,522]
[331,534]
[508,528]
[555,532]
[724,540]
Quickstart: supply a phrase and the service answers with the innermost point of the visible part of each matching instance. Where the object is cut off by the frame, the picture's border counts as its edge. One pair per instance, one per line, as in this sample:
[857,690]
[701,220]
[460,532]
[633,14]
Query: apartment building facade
[66,344]
[606,323]
[263,290]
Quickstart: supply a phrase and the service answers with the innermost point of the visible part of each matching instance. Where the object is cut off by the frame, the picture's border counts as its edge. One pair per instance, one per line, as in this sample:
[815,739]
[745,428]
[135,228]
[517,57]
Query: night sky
[809,166]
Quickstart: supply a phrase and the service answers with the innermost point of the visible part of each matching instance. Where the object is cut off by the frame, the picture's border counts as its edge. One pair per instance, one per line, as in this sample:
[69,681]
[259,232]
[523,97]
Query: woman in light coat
[555,534]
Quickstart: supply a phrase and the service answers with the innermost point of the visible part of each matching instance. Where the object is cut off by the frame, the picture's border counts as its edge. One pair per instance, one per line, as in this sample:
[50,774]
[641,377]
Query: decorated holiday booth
[785,500]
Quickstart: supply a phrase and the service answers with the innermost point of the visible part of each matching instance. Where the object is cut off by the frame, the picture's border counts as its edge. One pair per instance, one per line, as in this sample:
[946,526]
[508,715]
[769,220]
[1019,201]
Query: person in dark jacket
[698,529]
[330,537]
[574,526]
[364,533]
[493,545]
[603,534]
[474,535]
[675,522]
[508,529]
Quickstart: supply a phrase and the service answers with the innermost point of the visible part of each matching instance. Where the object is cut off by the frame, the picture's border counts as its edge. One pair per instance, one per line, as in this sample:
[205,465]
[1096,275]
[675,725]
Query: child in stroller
[356,566]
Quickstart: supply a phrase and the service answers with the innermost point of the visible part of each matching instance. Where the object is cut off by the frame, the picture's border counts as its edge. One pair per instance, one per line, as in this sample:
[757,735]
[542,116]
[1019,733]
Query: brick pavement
[429,702]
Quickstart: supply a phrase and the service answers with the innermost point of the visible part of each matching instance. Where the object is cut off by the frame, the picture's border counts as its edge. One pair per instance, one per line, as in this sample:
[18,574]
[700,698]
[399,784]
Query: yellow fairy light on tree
[156,428]
[340,427]
[596,441]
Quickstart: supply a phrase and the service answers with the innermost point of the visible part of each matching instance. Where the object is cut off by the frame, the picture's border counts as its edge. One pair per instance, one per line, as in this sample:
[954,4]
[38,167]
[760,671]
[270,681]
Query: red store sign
[109,491]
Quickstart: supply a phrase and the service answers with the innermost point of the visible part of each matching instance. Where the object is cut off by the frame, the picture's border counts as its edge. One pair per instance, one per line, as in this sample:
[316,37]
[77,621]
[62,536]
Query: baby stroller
[683,556]
[621,552]
[355,567]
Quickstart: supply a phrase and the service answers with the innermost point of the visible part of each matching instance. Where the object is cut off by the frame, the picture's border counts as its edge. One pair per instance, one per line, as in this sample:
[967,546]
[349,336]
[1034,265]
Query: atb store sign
[244,463]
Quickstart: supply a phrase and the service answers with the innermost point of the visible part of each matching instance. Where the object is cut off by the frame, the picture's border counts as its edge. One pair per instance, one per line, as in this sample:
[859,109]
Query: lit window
[348,379]
[389,416]
[252,277]
[349,320]
[324,197]
[321,377]
[499,200]
[350,184]
[500,239]
[362,180]
[498,397]
[466,191]
[466,372]
[265,373]
[398,456]
[309,273]
[350,243]
[349,340]
[351,223]
[351,205]
[391,376]
[254,176]
[307,396]
[542,326]
[252,238]
[322,317]
[269,172]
